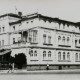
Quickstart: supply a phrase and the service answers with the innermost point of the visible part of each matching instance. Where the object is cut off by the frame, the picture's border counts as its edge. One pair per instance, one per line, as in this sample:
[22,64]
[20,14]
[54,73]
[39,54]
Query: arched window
[35,53]
[76,56]
[59,38]
[59,55]
[49,54]
[63,39]
[44,54]
[64,57]
[68,56]
[31,53]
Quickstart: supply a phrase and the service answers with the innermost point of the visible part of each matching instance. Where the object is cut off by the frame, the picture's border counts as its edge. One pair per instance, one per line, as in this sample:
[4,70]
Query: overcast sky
[63,9]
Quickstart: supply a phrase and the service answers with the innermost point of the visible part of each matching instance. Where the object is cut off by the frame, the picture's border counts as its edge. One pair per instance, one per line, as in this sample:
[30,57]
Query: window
[13,40]
[2,42]
[63,39]
[68,40]
[59,56]
[75,42]
[3,29]
[34,36]
[59,38]
[44,54]
[31,53]
[79,56]
[13,27]
[63,55]
[79,41]
[44,37]
[49,54]
[0,29]
[35,53]
[30,36]
[49,39]
[68,56]
[76,56]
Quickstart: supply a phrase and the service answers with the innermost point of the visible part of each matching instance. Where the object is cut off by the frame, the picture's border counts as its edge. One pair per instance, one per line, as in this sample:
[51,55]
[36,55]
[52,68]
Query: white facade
[44,40]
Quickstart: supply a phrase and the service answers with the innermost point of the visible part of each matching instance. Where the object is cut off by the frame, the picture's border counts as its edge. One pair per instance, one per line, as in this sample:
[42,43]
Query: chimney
[20,13]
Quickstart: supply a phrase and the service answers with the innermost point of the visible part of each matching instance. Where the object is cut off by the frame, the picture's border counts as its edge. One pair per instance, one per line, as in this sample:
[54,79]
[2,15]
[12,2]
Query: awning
[5,52]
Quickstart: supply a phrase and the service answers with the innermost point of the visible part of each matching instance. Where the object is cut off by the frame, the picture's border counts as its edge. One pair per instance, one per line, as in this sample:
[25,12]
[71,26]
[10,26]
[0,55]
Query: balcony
[5,47]
[18,45]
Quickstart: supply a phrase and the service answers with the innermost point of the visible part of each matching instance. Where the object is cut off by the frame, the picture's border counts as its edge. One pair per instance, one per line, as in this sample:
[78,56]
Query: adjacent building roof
[11,15]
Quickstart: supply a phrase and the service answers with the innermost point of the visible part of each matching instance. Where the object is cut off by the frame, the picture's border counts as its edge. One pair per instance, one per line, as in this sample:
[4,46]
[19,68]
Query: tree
[20,60]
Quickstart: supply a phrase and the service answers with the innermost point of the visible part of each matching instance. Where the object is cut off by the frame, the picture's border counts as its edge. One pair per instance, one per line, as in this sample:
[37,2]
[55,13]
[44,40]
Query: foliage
[20,60]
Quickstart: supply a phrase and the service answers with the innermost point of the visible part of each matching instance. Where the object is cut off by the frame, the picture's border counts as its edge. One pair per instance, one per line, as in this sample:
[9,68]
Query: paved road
[40,77]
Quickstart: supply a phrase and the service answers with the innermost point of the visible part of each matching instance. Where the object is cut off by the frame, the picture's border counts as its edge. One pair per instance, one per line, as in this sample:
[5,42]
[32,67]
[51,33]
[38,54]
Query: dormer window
[31,21]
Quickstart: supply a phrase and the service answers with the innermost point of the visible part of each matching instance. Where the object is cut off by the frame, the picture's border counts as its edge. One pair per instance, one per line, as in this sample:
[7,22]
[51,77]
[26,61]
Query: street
[39,76]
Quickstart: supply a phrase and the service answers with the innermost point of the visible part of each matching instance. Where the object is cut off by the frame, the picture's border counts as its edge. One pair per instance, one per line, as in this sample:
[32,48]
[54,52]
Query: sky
[63,9]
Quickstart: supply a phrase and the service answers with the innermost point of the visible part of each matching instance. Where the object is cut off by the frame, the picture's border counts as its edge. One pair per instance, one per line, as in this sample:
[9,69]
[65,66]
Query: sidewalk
[73,71]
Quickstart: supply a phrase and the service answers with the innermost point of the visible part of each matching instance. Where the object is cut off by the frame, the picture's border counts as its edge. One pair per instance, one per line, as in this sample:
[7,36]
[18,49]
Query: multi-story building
[46,41]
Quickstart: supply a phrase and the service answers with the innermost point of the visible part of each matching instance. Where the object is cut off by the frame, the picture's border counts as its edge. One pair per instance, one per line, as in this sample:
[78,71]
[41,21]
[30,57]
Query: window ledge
[64,60]
[33,42]
[47,60]
[77,61]
[63,45]
[47,44]
[34,60]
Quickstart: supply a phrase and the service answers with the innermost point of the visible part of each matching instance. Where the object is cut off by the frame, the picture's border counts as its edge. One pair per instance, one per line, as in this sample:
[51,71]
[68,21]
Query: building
[46,41]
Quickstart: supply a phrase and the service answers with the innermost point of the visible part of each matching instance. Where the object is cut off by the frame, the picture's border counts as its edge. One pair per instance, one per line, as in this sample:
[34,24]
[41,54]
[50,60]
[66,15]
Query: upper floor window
[35,53]
[76,56]
[49,54]
[68,40]
[0,29]
[64,57]
[49,39]
[59,38]
[13,40]
[75,42]
[3,29]
[68,56]
[35,36]
[30,36]
[31,53]
[44,54]
[2,42]
[63,39]
[79,41]
[44,37]
[13,27]
[59,56]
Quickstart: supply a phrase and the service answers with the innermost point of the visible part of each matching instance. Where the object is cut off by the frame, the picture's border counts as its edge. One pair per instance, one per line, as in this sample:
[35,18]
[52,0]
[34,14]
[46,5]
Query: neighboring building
[46,42]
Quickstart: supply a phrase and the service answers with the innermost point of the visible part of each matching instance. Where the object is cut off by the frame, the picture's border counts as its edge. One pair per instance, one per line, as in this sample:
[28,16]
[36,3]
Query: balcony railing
[5,47]
[22,44]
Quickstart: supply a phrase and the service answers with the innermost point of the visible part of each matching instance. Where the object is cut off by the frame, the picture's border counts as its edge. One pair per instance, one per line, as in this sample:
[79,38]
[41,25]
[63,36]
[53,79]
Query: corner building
[46,41]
